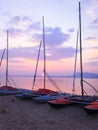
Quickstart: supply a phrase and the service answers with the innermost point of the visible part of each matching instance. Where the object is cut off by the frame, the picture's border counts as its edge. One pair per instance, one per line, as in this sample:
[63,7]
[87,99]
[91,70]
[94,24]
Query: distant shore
[77,75]
[16,114]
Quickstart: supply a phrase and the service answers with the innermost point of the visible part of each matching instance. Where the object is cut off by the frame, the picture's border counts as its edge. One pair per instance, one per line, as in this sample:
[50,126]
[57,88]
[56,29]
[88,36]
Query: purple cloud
[34,26]
[33,30]
[71,30]
[95,24]
[94,58]
[90,38]
[93,63]
[15,32]
[25,23]
[32,52]
[59,53]
[95,21]
[17,20]
[54,37]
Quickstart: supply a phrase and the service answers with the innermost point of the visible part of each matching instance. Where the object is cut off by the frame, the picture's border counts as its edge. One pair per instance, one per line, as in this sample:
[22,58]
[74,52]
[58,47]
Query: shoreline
[16,114]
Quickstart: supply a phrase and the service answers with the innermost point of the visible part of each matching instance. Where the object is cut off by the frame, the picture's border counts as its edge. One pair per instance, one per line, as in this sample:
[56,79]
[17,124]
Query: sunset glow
[23,19]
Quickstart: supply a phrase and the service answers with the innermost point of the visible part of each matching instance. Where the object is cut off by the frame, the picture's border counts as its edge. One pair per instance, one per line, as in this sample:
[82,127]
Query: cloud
[91,7]
[32,52]
[23,24]
[94,3]
[15,61]
[20,21]
[23,52]
[34,26]
[71,30]
[60,53]
[90,38]
[92,64]
[95,21]
[54,37]
[94,58]
[91,12]
[26,27]
[15,32]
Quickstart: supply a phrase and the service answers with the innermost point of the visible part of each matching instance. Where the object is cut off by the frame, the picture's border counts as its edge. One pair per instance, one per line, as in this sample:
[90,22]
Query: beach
[16,114]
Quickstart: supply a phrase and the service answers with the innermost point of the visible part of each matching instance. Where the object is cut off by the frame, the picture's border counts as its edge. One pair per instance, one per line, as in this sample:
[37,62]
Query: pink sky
[24,22]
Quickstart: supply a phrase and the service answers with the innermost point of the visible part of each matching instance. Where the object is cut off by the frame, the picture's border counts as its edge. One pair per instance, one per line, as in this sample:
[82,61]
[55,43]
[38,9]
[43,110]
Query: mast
[44,53]
[7,61]
[36,65]
[81,81]
[2,57]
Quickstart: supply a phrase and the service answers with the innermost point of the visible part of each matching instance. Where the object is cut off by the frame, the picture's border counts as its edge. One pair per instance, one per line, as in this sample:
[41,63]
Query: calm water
[65,84]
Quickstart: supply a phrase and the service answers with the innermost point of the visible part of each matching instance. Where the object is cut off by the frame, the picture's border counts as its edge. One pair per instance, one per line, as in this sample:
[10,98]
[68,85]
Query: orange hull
[92,107]
[45,91]
[7,88]
[61,102]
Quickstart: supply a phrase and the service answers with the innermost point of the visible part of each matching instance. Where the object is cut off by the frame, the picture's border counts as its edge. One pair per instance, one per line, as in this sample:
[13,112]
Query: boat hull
[13,92]
[91,110]
[85,100]
[46,98]
[59,103]
[26,96]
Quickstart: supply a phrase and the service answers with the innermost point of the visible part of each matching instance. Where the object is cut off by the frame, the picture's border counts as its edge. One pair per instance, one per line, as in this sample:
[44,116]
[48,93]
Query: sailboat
[44,90]
[75,99]
[47,94]
[32,94]
[63,101]
[8,89]
[81,99]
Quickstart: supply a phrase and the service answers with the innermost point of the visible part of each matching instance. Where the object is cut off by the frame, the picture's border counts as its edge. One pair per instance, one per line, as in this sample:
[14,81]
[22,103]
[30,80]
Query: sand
[16,114]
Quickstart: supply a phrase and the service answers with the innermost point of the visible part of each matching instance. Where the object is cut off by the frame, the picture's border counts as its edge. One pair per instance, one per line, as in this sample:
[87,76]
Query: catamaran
[76,99]
[8,89]
[6,86]
[82,99]
[44,90]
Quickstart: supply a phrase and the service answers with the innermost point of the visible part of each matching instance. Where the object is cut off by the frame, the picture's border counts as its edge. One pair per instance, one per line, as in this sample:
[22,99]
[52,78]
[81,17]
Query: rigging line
[53,82]
[75,62]
[91,86]
[85,92]
[12,81]
[9,83]
[36,65]
[2,57]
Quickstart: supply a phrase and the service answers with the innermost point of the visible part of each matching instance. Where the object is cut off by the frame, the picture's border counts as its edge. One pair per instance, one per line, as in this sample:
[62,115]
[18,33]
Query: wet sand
[16,114]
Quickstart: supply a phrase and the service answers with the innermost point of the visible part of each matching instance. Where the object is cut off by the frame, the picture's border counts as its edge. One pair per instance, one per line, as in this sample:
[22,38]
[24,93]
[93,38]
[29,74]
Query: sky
[23,19]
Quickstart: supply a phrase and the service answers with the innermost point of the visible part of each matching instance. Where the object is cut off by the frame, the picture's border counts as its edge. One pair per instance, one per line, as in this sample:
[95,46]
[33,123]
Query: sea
[57,84]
